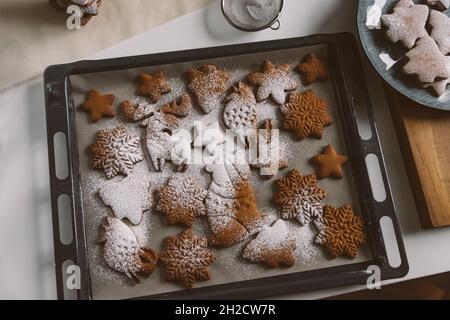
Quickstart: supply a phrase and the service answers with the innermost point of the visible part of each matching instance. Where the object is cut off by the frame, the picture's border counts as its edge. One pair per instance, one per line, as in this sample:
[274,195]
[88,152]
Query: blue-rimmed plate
[382,54]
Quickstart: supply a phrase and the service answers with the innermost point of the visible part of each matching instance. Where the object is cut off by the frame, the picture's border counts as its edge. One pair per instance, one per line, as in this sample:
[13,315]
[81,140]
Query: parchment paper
[33,35]
[229,266]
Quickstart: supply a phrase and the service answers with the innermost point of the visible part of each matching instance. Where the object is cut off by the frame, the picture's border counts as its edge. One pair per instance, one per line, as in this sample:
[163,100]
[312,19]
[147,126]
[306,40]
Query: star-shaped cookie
[341,231]
[440,31]
[426,61]
[273,81]
[330,163]
[181,200]
[153,86]
[439,86]
[186,258]
[99,105]
[305,114]
[406,24]
[313,69]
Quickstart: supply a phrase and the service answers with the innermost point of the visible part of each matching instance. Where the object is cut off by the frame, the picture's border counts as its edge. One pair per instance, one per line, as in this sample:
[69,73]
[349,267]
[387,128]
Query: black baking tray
[351,93]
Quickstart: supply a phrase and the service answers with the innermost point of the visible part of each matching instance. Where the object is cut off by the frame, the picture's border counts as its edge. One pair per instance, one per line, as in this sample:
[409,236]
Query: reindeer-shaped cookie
[160,122]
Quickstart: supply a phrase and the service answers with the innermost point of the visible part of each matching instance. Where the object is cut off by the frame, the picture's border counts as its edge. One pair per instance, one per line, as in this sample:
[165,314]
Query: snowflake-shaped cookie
[305,114]
[186,258]
[341,231]
[181,200]
[116,151]
[300,197]
[406,24]
[128,198]
[273,81]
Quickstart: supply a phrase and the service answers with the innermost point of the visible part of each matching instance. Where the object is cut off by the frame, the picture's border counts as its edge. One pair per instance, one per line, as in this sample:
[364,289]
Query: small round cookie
[181,200]
[273,246]
[116,151]
[273,81]
[406,24]
[122,251]
[186,258]
[330,163]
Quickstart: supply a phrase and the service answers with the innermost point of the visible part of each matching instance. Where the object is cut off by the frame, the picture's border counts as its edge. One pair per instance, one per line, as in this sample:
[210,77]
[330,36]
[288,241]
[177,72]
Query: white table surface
[26,260]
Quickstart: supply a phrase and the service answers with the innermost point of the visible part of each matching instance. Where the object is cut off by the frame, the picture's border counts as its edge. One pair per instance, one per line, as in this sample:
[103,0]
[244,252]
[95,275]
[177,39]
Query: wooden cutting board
[424,136]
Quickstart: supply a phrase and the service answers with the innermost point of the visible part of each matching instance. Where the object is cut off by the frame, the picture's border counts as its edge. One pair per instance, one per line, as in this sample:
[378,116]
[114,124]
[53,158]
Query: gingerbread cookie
[179,108]
[116,151]
[439,86]
[208,83]
[341,231]
[330,163]
[273,81]
[268,162]
[426,61]
[300,197]
[159,138]
[240,112]
[186,258]
[441,5]
[122,251]
[181,200]
[313,69]
[305,114]
[128,199]
[273,246]
[231,204]
[153,86]
[136,110]
[440,30]
[99,105]
[406,24]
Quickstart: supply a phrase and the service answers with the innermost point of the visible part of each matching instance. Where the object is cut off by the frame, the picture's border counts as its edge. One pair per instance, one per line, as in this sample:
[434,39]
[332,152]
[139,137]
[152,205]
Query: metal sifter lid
[253,15]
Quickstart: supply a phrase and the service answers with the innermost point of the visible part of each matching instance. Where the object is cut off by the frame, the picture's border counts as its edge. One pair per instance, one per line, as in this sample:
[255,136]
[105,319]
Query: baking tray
[349,97]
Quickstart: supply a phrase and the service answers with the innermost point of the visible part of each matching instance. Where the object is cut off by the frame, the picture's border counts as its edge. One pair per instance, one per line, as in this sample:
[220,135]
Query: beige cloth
[34,35]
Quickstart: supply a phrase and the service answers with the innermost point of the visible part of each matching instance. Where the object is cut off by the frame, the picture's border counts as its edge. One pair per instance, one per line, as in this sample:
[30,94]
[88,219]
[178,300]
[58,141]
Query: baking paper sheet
[229,266]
